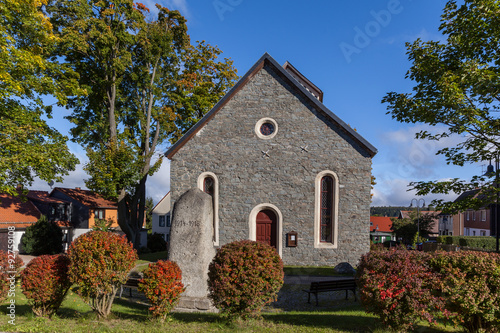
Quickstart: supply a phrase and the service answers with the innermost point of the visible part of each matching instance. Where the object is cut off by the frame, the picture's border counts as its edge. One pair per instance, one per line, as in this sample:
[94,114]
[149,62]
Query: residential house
[434,232]
[470,222]
[16,214]
[380,229]
[161,218]
[281,167]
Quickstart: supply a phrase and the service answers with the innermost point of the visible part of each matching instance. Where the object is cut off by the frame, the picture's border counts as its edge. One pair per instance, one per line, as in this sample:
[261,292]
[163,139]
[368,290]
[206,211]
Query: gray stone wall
[228,146]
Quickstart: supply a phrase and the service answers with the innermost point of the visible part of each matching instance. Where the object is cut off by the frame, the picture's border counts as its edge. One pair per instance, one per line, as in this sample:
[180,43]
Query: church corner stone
[191,246]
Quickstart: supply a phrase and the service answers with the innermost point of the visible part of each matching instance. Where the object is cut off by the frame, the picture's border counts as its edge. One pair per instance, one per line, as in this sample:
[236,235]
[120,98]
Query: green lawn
[131,315]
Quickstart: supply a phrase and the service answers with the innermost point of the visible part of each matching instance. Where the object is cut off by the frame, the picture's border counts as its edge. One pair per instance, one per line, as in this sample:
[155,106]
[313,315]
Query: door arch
[267,211]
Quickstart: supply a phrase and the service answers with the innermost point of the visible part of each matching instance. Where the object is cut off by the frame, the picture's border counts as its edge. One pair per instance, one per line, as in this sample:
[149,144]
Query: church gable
[263,153]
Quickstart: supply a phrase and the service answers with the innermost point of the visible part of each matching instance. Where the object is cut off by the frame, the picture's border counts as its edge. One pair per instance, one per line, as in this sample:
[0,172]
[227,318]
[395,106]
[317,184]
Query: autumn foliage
[45,282]
[100,262]
[243,277]
[8,264]
[403,287]
[162,285]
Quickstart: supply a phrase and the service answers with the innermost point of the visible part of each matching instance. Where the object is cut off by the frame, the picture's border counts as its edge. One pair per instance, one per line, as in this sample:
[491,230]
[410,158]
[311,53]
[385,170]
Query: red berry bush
[45,282]
[100,262]
[243,277]
[162,285]
[10,265]
[398,286]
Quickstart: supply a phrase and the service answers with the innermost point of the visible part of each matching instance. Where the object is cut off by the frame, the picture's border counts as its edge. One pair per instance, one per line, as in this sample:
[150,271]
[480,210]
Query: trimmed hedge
[243,277]
[162,285]
[100,263]
[45,282]
[402,287]
[479,242]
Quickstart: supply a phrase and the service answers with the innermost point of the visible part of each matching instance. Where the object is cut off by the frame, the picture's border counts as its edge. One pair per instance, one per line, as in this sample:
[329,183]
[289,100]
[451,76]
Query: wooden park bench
[132,283]
[332,285]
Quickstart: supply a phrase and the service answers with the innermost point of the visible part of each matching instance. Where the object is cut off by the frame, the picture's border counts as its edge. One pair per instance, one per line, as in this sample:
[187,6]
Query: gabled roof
[383,223]
[266,59]
[86,197]
[16,212]
[159,202]
[405,214]
[43,196]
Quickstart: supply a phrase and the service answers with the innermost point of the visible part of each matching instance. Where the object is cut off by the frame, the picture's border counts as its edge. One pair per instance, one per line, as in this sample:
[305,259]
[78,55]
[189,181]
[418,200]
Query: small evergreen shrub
[45,282]
[243,277]
[156,243]
[43,237]
[100,262]
[397,285]
[8,264]
[470,285]
[162,285]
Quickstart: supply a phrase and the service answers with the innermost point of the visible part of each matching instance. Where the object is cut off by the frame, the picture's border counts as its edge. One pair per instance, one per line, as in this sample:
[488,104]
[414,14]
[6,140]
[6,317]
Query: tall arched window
[326,217]
[209,183]
[326,210]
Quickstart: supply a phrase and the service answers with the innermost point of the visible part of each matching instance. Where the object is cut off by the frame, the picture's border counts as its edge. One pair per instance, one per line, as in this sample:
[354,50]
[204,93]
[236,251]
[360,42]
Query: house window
[100,214]
[468,216]
[209,183]
[326,210]
[161,221]
[473,216]
[483,215]
[167,218]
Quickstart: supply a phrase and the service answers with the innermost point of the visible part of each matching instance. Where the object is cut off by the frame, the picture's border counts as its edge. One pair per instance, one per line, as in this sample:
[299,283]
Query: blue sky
[353,50]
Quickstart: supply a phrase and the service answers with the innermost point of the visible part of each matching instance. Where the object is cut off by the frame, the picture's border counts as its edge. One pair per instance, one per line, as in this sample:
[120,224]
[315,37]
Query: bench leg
[316,294]
[309,298]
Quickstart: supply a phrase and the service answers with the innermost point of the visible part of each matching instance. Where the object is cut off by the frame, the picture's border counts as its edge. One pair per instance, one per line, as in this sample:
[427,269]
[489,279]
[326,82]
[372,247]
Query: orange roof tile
[87,198]
[17,212]
[384,223]
[43,196]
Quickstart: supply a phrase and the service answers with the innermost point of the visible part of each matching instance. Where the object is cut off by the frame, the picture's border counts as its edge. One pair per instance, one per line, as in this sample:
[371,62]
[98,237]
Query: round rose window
[267,129]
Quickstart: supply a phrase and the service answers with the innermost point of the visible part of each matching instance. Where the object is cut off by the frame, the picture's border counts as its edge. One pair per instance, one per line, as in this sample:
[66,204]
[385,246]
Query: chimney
[77,188]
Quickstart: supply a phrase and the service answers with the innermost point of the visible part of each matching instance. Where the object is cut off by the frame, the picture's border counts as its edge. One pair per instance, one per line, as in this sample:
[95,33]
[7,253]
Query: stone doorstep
[194,304]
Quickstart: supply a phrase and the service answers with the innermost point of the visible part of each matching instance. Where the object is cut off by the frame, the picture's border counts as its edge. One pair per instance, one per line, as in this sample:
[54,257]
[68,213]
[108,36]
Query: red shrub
[45,282]
[100,262]
[398,286]
[10,265]
[470,284]
[162,285]
[243,277]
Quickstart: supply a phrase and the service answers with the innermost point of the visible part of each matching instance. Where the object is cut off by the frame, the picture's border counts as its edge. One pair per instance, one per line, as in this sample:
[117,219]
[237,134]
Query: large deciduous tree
[29,147]
[147,85]
[457,87]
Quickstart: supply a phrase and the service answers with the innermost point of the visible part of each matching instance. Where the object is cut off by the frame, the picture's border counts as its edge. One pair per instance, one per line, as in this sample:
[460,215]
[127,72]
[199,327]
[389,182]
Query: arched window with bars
[326,210]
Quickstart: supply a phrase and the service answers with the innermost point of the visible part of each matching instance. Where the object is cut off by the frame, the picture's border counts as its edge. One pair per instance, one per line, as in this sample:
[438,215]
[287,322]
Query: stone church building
[281,168]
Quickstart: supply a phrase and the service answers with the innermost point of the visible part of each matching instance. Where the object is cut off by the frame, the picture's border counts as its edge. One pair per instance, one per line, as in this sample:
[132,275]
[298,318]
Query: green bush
[45,282]
[243,277]
[43,237]
[397,286]
[100,262]
[480,242]
[8,263]
[162,285]
[156,243]
[470,286]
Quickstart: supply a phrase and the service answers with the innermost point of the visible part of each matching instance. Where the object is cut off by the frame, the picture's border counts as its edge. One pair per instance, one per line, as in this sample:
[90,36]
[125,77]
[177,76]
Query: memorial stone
[191,246]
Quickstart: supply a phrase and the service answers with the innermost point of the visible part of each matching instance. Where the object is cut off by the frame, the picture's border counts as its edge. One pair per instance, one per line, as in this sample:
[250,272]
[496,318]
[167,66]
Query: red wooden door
[266,227]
